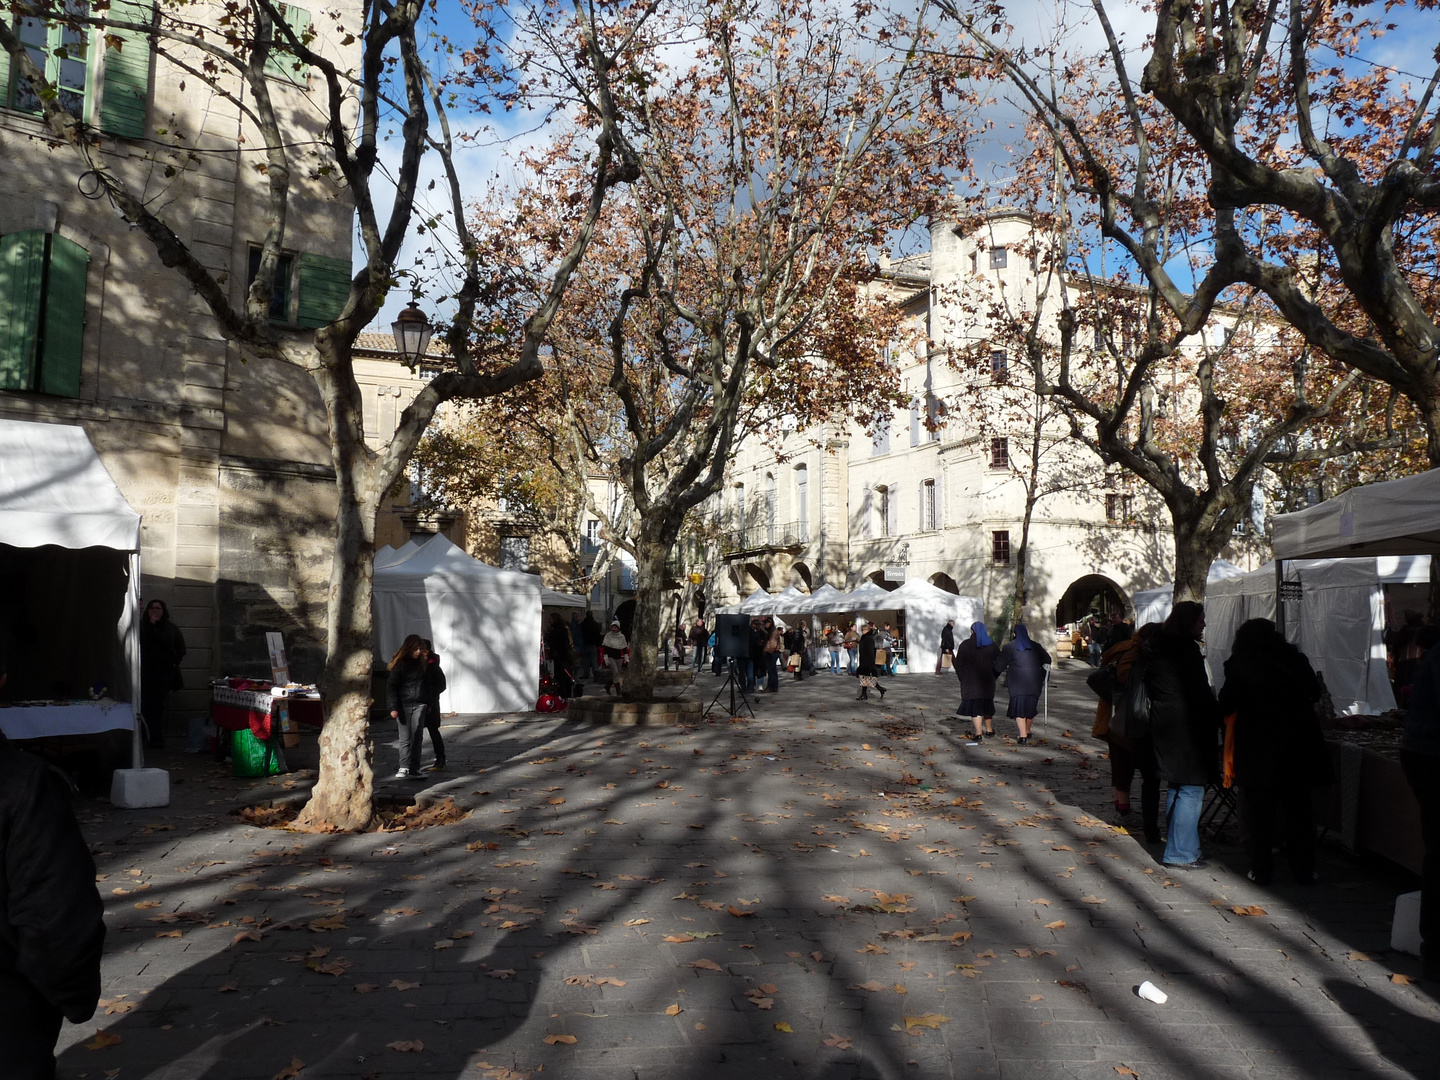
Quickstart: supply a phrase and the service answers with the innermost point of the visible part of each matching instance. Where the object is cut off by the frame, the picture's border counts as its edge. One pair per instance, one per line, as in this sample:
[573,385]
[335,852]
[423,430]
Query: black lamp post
[412,335]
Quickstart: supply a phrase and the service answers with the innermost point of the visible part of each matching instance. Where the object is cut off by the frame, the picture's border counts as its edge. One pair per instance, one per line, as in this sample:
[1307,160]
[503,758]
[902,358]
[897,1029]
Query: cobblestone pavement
[838,889]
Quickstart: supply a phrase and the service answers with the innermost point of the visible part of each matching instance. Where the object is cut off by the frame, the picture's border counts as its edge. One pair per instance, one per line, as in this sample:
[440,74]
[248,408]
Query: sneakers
[403,774]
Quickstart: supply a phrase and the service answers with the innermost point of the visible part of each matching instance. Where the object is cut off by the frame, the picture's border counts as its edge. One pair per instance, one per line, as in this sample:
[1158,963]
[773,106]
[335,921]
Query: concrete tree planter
[622,713]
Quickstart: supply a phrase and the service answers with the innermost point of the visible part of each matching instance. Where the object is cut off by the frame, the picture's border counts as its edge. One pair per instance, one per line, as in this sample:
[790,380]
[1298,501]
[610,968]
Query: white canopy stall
[1153,605]
[1398,517]
[484,622]
[70,576]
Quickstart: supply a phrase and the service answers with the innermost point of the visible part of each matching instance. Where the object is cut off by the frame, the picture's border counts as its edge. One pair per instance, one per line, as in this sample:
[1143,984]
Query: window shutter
[324,288]
[940,501]
[914,423]
[866,515]
[64,318]
[126,74]
[22,274]
[284,64]
[892,511]
[4,72]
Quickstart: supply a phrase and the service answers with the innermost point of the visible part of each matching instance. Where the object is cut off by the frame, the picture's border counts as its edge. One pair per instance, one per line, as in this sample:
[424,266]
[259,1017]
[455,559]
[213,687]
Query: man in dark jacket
[1184,728]
[51,928]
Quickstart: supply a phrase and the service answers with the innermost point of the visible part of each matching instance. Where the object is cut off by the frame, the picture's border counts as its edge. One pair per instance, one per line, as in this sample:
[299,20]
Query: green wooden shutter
[126,73]
[324,288]
[4,74]
[22,275]
[284,64]
[64,318]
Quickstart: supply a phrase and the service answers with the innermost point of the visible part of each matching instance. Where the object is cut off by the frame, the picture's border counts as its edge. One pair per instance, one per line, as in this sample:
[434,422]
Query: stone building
[936,493]
[225,457]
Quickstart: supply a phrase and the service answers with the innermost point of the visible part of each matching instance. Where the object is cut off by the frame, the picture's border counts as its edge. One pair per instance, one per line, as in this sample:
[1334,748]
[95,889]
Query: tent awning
[552,598]
[1397,517]
[54,490]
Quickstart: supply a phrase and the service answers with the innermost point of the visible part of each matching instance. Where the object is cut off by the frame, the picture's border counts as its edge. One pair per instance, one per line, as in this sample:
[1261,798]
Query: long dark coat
[1278,742]
[975,668]
[51,918]
[1184,717]
[867,655]
[1026,668]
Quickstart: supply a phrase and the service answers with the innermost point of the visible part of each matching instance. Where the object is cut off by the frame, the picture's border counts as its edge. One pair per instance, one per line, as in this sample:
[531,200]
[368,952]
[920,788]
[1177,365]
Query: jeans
[1182,809]
[747,674]
[411,736]
[700,651]
[835,661]
[1095,650]
[854,660]
[772,672]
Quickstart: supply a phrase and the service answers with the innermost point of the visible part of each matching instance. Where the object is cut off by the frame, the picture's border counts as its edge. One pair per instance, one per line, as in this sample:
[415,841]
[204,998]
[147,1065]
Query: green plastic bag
[250,756]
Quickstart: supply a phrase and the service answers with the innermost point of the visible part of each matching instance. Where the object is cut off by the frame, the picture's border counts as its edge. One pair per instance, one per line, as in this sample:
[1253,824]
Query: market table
[254,704]
[45,719]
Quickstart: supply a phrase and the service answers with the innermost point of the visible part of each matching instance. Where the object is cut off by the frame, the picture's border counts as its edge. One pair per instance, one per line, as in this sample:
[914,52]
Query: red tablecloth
[309,711]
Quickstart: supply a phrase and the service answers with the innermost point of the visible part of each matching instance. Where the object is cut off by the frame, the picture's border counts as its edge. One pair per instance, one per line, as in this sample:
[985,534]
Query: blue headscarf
[982,636]
[1022,637]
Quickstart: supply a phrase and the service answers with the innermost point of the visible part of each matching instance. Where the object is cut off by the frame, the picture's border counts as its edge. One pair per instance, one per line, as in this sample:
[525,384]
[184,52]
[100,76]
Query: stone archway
[1093,592]
[756,573]
[945,583]
[878,577]
[800,576]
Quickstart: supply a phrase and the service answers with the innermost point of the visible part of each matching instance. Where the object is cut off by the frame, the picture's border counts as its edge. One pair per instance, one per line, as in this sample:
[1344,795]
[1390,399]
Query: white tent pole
[130,627]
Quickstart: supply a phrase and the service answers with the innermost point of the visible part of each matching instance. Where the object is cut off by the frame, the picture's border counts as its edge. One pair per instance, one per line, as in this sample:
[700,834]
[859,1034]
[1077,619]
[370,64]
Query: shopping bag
[946,661]
[881,656]
[793,664]
[250,756]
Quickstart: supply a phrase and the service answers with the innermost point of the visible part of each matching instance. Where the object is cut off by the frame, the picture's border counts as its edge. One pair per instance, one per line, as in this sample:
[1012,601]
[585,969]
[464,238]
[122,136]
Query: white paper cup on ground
[1150,992]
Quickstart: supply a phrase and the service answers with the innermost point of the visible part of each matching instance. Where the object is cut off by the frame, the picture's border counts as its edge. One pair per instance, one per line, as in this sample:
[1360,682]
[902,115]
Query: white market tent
[823,600]
[1397,517]
[550,598]
[1339,623]
[389,556]
[56,493]
[484,622]
[1153,605]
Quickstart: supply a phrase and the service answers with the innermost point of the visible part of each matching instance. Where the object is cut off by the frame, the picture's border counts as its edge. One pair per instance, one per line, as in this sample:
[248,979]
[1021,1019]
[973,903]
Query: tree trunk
[343,794]
[650,554]
[1192,564]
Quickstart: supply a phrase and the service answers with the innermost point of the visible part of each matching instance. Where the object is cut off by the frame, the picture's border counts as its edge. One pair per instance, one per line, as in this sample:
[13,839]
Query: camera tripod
[733,683]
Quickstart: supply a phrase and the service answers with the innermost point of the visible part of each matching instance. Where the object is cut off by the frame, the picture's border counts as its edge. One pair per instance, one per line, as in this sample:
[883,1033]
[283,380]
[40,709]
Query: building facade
[939,491]
[225,456]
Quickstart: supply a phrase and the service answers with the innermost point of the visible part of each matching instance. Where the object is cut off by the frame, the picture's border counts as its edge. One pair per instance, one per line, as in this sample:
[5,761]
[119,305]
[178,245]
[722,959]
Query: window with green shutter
[62,52]
[42,312]
[281,63]
[324,288]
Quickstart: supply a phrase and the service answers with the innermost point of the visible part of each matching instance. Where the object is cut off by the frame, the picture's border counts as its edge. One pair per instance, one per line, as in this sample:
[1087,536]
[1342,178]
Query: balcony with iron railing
[764,536]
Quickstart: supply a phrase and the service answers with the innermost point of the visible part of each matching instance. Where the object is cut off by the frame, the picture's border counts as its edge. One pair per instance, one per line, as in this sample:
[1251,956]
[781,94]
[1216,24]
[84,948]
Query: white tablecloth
[76,718]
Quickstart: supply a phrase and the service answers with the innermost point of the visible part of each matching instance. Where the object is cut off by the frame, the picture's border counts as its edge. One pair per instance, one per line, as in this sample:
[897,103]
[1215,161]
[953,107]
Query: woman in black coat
[162,647]
[1280,756]
[1026,662]
[1184,727]
[975,668]
[405,692]
[868,670]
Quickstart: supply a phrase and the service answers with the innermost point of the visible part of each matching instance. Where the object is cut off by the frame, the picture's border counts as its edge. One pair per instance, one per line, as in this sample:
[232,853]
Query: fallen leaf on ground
[290,1071]
[564,1040]
[929,1020]
[678,939]
[1123,1071]
[1249,909]
[874,986]
[103,1039]
[1091,899]
[1400,980]
[839,1042]
[401,984]
[366,988]
[407,1046]
[817,956]
[246,935]
[706,965]
[674,1010]
[636,922]
[1058,924]
[118,1007]
[405,911]
[735,911]
[145,904]
[833,899]
[1356,954]
[783,1026]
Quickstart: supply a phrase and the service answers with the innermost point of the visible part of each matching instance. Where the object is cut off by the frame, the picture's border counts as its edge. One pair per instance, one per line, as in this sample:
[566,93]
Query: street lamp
[412,334]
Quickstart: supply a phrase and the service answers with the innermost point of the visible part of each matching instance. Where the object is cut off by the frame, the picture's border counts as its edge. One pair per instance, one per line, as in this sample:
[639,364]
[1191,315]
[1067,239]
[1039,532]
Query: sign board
[1290,590]
[279,665]
[894,573]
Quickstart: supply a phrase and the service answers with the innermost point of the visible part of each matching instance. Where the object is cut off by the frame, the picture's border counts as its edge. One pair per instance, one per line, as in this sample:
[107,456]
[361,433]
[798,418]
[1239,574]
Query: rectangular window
[999,365]
[936,413]
[927,506]
[974,262]
[62,53]
[1000,547]
[999,453]
[514,553]
[881,444]
[1118,507]
[591,544]
[280,296]
[281,63]
[882,498]
[999,257]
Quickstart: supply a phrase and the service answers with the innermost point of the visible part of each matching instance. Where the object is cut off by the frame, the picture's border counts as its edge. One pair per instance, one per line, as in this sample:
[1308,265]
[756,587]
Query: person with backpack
[1129,751]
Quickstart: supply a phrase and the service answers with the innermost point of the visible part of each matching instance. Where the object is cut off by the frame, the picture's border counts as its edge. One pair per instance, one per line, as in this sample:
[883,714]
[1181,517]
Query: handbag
[1131,718]
[870,682]
[1104,682]
[793,663]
